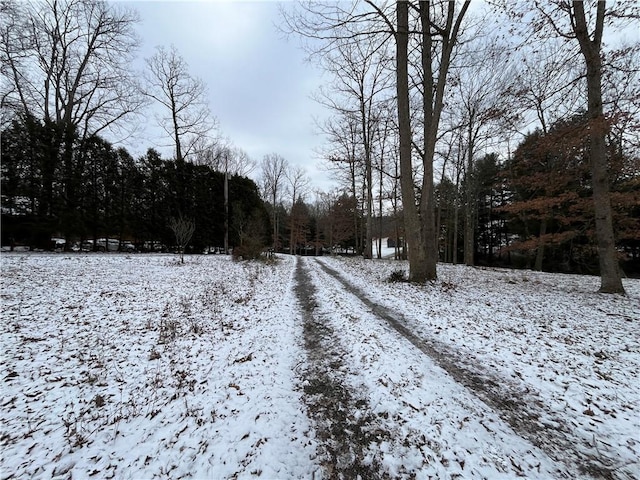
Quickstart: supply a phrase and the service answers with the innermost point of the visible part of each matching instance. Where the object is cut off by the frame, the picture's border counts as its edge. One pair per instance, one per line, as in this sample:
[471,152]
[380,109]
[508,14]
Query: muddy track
[330,402]
[520,408]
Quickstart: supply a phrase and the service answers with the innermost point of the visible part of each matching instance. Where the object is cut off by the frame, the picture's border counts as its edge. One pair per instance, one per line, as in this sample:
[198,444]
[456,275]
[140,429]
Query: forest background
[499,154]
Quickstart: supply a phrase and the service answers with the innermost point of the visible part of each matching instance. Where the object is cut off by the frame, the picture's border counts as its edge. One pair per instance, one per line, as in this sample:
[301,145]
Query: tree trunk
[455,234]
[356,213]
[380,192]
[438,228]
[71,185]
[275,223]
[226,211]
[292,236]
[540,252]
[610,280]
[176,130]
[468,232]
[432,106]
[412,227]
[366,136]
[470,202]
[455,218]
[368,245]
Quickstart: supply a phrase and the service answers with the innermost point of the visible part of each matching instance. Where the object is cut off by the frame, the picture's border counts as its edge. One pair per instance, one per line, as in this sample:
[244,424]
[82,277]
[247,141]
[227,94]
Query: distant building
[395,242]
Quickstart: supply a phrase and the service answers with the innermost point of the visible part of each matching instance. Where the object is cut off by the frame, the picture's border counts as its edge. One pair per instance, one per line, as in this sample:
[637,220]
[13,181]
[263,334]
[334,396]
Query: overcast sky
[259,85]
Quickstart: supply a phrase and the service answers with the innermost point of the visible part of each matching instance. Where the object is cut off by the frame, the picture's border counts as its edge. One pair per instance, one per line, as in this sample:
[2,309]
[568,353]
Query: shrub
[249,250]
[397,276]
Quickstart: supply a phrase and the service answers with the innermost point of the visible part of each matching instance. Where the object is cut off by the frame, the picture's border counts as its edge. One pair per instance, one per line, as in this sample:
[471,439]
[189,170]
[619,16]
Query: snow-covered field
[134,366]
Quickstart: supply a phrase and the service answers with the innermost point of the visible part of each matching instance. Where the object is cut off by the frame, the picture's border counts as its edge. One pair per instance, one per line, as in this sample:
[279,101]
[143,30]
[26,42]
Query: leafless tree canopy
[186,117]
[274,172]
[69,61]
[183,229]
[224,158]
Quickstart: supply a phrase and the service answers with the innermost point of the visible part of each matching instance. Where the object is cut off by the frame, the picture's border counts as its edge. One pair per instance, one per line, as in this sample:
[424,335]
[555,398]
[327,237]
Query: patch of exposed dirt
[332,405]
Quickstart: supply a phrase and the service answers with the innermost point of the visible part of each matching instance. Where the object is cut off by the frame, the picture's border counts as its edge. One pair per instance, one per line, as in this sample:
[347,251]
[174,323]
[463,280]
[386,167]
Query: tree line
[137,199]
[498,135]
[111,194]
[424,93]
[536,202]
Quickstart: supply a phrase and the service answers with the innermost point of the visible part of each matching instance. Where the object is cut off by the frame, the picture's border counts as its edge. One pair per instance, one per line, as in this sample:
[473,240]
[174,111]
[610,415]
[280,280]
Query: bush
[397,276]
[248,251]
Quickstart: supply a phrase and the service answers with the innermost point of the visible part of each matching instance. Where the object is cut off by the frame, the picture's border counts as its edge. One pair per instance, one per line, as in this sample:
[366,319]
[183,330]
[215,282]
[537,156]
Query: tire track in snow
[331,403]
[521,409]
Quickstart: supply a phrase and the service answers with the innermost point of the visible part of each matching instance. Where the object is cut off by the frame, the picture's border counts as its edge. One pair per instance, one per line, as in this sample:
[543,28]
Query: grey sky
[259,85]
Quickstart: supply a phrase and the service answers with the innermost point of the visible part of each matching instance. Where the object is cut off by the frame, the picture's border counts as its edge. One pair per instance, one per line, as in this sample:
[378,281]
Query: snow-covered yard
[134,366]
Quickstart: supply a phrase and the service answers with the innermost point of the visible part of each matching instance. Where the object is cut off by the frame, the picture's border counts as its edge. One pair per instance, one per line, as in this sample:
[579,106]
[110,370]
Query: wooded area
[473,84]
[488,136]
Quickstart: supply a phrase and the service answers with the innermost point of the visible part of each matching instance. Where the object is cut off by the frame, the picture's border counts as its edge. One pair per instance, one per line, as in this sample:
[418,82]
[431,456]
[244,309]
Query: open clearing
[134,366]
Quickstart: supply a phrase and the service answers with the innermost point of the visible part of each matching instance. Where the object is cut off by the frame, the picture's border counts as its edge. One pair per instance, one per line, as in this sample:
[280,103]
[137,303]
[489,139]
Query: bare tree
[68,63]
[183,229]
[361,76]
[321,208]
[240,163]
[544,85]
[542,90]
[224,157]
[439,24]
[353,49]
[274,170]
[582,25]
[343,156]
[591,49]
[186,115]
[479,107]
[440,28]
[407,192]
[386,164]
[298,185]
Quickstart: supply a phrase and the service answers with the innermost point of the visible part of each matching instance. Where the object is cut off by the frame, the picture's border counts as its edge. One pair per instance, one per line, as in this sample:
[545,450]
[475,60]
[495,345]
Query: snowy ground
[134,366]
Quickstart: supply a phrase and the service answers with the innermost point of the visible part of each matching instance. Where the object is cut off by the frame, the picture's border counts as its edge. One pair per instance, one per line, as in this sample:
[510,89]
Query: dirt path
[518,406]
[331,403]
